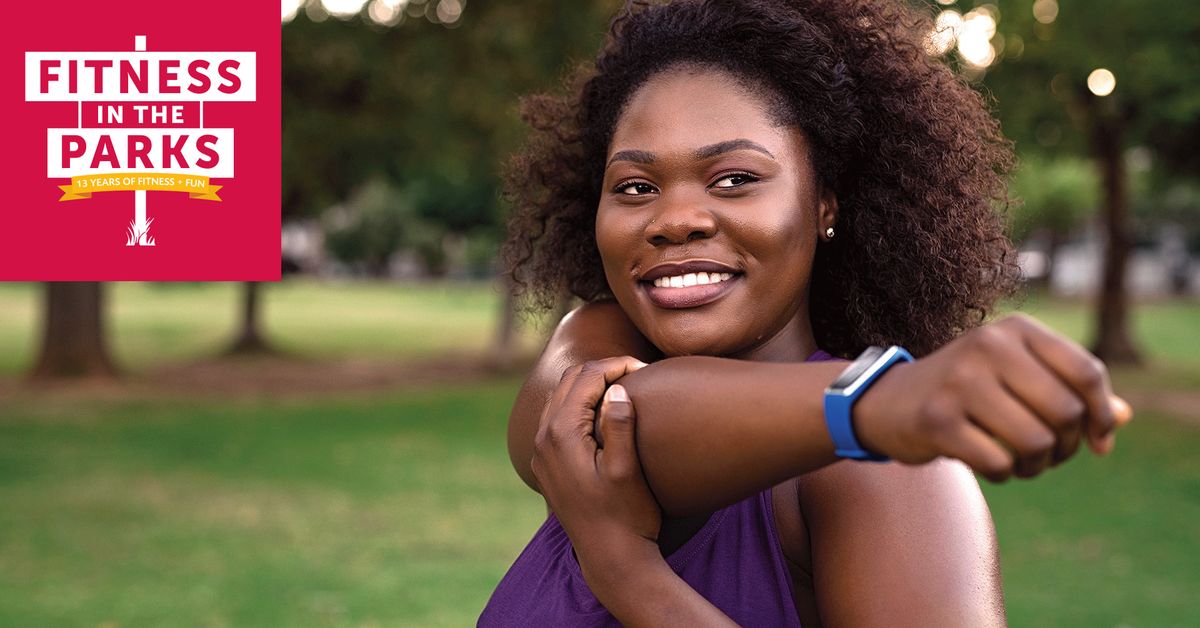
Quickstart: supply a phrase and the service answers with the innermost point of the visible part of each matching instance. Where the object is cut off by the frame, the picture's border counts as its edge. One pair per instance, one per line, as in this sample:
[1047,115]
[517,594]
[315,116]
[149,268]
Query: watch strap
[840,399]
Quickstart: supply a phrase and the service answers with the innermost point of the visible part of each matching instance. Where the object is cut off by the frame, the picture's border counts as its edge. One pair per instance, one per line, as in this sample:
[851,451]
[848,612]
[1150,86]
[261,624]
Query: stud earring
[829,232]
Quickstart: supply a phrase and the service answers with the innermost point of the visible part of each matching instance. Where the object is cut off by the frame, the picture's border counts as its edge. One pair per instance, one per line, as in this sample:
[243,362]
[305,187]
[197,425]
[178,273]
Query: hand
[598,492]
[1013,397]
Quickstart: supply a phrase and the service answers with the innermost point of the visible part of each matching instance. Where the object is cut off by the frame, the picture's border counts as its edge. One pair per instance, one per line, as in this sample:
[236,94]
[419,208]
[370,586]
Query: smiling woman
[741,191]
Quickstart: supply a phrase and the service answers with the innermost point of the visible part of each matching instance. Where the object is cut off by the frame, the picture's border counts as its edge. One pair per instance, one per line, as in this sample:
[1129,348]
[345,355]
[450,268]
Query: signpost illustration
[140,124]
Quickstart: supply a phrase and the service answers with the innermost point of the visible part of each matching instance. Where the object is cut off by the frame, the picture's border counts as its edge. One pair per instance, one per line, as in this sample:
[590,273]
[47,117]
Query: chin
[679,342]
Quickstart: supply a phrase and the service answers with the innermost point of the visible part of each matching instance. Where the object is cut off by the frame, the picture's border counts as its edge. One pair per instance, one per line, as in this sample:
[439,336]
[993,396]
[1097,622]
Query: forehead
[681,109]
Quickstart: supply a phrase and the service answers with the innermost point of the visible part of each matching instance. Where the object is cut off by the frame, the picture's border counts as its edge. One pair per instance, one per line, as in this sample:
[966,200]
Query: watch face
[857,368]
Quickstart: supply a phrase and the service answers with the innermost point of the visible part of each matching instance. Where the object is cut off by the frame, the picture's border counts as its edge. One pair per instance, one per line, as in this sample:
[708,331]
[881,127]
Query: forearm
[640,589]
[712,431]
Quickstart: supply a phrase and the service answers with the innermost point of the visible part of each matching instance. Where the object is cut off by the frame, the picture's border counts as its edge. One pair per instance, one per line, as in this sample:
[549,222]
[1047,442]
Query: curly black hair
[915,157]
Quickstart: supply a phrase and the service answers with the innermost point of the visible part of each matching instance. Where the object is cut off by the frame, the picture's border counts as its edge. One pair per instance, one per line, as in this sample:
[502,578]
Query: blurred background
[329,450]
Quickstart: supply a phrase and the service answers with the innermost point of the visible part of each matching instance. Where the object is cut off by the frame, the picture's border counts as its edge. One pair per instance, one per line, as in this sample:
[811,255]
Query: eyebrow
[706,152]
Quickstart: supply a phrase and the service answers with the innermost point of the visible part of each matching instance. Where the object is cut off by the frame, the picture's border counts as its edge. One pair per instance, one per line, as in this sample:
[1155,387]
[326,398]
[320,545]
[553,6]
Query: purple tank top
[735,561]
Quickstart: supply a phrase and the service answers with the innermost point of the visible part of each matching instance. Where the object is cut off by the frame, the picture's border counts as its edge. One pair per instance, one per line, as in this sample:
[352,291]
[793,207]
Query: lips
[688,284]
[685,267]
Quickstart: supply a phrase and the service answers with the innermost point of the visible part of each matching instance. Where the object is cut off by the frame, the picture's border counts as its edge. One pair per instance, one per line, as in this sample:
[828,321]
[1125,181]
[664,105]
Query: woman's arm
[591,332]
[701,416]
[602,501]
[900,545]
[1011,397]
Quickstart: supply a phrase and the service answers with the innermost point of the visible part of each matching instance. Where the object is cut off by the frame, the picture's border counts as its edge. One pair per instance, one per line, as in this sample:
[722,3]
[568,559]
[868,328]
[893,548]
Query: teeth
[692,279]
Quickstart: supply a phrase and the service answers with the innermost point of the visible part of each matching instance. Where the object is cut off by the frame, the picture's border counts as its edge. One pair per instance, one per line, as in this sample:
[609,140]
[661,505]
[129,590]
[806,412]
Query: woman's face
[709,218]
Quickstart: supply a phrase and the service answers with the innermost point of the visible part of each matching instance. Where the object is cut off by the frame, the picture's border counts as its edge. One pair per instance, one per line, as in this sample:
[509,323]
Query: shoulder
[599,329]
[919,539]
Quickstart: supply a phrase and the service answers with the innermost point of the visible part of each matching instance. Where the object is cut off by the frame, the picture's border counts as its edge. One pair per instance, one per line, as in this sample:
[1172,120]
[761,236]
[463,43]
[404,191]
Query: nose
[679,219]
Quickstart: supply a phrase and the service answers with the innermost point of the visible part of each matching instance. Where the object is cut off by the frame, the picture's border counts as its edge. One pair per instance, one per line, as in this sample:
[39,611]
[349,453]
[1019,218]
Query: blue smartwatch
[847,388]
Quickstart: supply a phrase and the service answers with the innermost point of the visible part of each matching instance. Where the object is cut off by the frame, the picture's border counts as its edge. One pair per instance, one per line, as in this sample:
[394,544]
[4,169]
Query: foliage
[1055,194]
[429,109]
[369,228]
[1040,76]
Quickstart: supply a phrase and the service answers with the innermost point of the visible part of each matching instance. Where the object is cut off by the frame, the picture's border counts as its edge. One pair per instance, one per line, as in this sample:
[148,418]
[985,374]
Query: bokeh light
[945,32]
[1101,82]
[290,8]
[975,37]
[448,11]
[386,12]
[1045,11]
[343,9]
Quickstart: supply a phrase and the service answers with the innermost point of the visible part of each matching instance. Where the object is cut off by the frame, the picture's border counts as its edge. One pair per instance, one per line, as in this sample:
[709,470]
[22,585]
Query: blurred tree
[371,226]
[427,103]
[73,332]
[1121,73]
[1054,196]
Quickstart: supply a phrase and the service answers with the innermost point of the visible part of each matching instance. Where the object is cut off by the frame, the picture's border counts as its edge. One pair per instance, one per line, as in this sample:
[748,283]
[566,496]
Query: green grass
[1107,541]
[398,510]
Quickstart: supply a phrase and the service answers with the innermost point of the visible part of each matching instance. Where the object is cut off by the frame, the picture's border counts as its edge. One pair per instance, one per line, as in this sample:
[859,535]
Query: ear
[827,212]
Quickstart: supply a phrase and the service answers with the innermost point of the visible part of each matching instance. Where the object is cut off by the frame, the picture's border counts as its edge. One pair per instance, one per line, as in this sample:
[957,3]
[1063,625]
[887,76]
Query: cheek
[613,234]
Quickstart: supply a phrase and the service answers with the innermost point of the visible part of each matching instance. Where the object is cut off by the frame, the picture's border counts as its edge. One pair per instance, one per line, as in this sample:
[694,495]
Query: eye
[736,179]
[634,188]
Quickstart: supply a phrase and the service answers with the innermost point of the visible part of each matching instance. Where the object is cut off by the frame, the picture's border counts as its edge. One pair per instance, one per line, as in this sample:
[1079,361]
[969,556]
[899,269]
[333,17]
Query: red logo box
[143,141]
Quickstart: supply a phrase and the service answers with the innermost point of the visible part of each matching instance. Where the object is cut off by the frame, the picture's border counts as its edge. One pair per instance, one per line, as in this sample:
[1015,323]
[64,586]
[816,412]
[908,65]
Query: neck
[793,343]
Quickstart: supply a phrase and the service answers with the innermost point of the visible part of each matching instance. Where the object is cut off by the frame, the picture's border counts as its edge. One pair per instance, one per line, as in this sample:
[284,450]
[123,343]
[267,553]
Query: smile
[689,290]
[691,279]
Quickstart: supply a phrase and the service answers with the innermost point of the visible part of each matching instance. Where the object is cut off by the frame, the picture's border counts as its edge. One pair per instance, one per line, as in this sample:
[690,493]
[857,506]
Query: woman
[756,182]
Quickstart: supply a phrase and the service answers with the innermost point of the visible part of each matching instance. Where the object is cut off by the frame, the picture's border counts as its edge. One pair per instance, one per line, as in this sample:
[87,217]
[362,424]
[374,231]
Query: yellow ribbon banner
[83,187]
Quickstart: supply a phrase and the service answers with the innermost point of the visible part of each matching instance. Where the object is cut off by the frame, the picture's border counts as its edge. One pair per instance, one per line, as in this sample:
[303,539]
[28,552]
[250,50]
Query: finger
[1082,371]
[1122,411]
[594,377]
[1009,421]
[558,395]
[1049,398]
[616,434]
[979,451]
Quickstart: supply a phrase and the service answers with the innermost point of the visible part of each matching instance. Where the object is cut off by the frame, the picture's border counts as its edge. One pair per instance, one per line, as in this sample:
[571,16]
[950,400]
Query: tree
[1053,197]
[1097,78]
[73,333]
[429,107]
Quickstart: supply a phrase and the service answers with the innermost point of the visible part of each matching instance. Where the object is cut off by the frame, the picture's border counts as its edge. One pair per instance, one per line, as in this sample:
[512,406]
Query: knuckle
[571,373]
[1069,412]
[592,370]
[618,415]
[1093,372]
[991,338]
[1019,320]
[541,442]
[1035,443]
[997,467]
[965,375]
[553,439]
[938,414]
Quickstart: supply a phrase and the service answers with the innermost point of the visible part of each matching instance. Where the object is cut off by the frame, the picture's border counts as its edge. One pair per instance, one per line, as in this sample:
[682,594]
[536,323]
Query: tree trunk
[250,339]
[1113,342]
[504,352]
[73,340]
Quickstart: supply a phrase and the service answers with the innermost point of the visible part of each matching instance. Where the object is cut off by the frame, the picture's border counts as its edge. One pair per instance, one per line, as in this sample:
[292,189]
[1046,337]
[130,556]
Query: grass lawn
[401,508]
[395,510]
